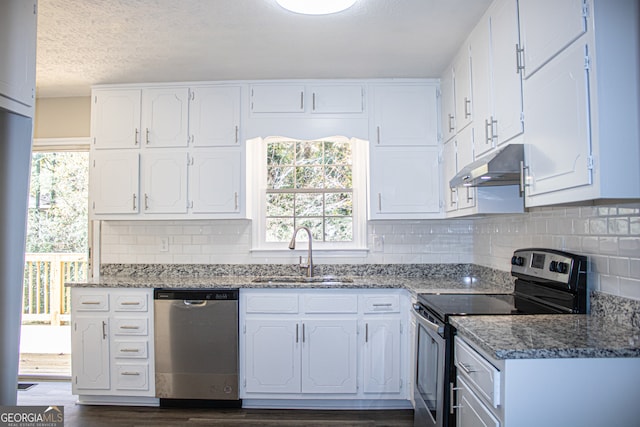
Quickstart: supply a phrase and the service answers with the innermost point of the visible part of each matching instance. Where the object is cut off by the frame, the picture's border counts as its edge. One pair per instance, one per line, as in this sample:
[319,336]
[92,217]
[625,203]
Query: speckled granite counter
[549,336]
[412,284]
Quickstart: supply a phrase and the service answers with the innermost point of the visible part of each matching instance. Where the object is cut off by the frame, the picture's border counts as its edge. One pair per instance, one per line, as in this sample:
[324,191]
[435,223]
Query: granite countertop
[549,336]
[412,284]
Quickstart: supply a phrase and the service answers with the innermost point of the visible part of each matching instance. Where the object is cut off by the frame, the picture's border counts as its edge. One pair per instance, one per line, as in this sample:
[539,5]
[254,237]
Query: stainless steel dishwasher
[196,347]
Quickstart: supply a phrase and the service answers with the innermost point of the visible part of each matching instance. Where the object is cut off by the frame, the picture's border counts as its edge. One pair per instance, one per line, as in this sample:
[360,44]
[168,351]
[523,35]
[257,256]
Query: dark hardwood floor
[59,393]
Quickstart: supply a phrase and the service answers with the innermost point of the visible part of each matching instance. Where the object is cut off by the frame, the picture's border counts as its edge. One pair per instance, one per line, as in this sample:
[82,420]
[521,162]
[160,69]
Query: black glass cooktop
[445,305]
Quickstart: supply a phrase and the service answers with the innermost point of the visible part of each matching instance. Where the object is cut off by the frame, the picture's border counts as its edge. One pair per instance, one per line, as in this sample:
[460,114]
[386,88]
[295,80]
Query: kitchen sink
[303,279]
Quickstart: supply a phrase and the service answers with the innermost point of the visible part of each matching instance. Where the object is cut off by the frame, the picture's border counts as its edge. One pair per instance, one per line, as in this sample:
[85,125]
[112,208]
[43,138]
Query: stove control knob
[517,260]
[562,267]
[553,266]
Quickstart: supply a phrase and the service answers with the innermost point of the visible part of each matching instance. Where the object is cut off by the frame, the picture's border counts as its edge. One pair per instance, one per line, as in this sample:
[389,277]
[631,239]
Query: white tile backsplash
[609,235]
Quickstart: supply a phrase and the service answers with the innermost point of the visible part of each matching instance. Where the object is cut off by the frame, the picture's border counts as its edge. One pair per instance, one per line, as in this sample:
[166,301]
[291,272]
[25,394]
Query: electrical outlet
[164,244]
[378,244]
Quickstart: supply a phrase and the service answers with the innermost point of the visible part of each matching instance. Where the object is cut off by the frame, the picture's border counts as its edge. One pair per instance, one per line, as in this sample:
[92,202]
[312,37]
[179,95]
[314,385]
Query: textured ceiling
[86,42]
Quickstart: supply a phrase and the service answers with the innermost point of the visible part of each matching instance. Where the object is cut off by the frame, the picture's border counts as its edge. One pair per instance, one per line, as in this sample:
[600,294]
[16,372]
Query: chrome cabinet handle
[303,332]
[146,202]
[104,330]
[302,100]
[469,197]
[366,332]
[487,140]
[467,111]
[451,125]
[237,134]
[313,102]
[297,337]
[147,136]
[378,133]
[134,201]
[136,140]
[235,199]
[523,178]
[453,192]
[379,202]
[519,59]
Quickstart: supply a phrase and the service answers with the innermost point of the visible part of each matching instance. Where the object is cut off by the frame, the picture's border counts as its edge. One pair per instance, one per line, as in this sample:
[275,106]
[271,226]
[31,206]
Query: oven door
[430,366]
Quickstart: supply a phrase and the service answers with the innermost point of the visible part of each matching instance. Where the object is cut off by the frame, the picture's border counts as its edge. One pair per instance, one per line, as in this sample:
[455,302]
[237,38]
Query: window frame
[257,151]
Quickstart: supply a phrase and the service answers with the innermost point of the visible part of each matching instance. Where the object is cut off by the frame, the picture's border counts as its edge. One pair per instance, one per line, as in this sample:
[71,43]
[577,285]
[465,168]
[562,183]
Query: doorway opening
[57,248]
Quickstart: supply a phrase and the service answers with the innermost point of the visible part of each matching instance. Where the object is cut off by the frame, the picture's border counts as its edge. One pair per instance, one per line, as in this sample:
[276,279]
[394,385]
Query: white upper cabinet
[484,123]
[448,105]
[464,103]
[581,104]
[337,99]
[214,116]
[164,181]
[18,50]
[114,182]
[548,27]
[405,182]
[404,115]
[165,117]
[214,179]
[277,98]
[449,170]
[115,119]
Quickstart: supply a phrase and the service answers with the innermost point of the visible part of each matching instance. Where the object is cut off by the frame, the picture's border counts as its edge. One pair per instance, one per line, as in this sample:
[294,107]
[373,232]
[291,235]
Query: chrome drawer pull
[130,303]
[467,368]
[129,327]
[131,373]
[91,303]
[129,350]
[383,305]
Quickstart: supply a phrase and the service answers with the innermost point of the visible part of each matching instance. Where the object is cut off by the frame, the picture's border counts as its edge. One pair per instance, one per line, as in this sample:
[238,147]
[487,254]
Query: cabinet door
[548,27]
[214,181]
[465,156]
[507,82]
[382,356]
[114,182]
[115,119]
[449,170]
[404,181]
[18,50]
[164,184]
[337,99]
[277,99]
[557,140]
[484,121]
[329,356]
[272,358]
[464,103]
[165,114]
[471,411]
[214,116]
[90,353]
[447,101]
[405,115]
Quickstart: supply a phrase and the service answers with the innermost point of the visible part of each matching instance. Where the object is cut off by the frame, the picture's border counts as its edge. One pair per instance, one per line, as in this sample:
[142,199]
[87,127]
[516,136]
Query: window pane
[339,230]
[337,153]
[308,204]
[339,204]
[279,229]
[338,177]
[280,204]
[280,153]
[280,177]
[309,177]
[309,153]
[315,224]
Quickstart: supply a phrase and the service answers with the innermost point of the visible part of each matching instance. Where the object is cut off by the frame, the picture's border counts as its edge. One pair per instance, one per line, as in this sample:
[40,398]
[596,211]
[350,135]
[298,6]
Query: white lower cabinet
[585,392]
[323,345]
[111,339]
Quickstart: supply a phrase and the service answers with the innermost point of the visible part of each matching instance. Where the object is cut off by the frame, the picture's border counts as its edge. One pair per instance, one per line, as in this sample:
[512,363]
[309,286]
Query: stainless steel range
[547,282]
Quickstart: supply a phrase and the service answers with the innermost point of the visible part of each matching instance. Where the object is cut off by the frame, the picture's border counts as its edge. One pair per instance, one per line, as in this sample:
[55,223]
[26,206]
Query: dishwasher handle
[194,302]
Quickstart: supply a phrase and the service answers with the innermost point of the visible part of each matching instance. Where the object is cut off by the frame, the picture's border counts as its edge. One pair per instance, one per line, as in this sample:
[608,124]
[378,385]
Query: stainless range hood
[502,167]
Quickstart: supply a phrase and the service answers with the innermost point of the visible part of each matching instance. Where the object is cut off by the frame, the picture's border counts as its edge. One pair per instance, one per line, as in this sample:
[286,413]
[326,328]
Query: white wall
[229,242]
[609,235]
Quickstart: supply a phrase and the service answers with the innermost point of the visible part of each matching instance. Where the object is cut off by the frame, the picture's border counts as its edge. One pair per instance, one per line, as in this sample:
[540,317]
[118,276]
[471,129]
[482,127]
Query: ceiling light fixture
[316,7]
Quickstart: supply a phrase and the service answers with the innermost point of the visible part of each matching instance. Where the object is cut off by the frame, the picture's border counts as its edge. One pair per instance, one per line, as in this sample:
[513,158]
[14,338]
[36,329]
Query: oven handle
[433,326]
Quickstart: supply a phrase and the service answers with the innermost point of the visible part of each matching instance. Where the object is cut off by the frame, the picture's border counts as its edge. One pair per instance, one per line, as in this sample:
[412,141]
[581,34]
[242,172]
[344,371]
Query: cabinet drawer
[131,349]
[382,304]
[131,326]
[131,302]
[91,302]
[471,411]
[272,303]
[330,303]
[132,376]
[481,375]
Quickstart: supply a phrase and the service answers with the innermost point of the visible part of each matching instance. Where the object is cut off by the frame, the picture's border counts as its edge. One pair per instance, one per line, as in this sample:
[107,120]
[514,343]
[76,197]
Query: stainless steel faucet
[292,245]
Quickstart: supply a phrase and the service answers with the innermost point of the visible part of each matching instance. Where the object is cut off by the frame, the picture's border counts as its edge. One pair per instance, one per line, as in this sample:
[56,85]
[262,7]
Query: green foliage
[58,220]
